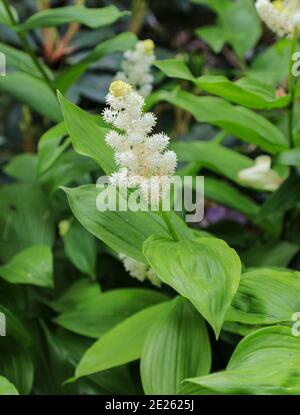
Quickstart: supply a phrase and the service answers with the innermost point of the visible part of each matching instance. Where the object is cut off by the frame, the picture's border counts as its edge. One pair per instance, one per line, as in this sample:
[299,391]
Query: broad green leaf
[265,362]
[33,265]
[285,198]
[177,347]
[123,231]
[289,157]
[119,43]
[20,61]
[122,344]
[51,146]
[6,387]
[238,22]
[242,26]
[79,292]
[29,90]
[217,5]
[17,366]
[271,65]
[241,122]
[66,349]
[95,317]
[277,254]
[246,91]
[213,156]
[23,207]
[22,167]
[266,296]
[69,168]
[87,137]
[214,36]
[80,247]
[205,271]
[90,17]
[14,326]
[4,18]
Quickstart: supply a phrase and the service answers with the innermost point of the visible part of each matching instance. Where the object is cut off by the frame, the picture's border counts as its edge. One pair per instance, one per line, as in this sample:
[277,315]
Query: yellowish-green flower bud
[119,88]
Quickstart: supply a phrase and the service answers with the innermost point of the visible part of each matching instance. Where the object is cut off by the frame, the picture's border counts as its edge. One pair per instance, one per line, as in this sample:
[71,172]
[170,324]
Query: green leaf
[22,167]
[90,17]
[20,61]
[123,231]
[119,43]
[17,366]
[215,157]
[79,292]
[246,91]
[265,362]
[277,254]
[4,18]
[223,193]
[205,271]
[177,347]
[251,305]
[241,122]
[87,137]
[14,326]
[80,247]
[7,388]
[122,344]
[214,36]
[51,146]
[272,65]
[29,90]
[30,266]
[238,24]
[95,317]
[23,207]
[69,168]
[218,6]
[285,198]
[289,157]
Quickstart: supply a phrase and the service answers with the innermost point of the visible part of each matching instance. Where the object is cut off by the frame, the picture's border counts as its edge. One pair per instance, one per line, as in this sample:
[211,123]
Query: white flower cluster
[136,67]
[261,176]
[139,270]
[143,159]
[281,16]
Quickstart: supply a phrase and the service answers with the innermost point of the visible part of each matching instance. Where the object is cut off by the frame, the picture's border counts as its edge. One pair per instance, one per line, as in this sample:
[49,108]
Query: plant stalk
[166,218]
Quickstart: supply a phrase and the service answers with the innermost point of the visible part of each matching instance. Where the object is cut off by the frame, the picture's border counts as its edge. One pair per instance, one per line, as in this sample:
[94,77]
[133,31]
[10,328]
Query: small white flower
[136,67]
[149,166]
[261,176]
[139,270]
[281,16]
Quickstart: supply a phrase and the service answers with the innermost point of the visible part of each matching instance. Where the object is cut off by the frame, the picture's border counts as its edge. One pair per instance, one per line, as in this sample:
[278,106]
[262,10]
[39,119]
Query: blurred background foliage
[213,37]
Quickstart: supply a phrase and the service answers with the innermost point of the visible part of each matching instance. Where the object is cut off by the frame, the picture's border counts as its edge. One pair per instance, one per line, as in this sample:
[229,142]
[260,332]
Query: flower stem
[166,218]
[291,86]
[27,47]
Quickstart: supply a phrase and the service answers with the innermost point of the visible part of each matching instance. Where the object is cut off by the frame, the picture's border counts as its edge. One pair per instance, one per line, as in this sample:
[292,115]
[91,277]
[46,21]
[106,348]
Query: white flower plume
[281,16]
[139,270]
[136,67]
[261,176]
[143,159]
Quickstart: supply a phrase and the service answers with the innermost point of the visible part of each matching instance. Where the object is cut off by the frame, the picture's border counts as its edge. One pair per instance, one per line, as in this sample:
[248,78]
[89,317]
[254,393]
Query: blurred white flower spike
[261,176]
[139,270]
[143,159]
[136,67]
[281,16]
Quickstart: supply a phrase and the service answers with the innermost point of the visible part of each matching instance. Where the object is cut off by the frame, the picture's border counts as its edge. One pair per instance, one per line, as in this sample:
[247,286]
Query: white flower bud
[261,176]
